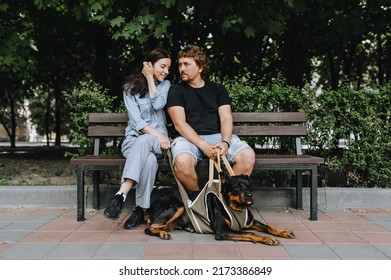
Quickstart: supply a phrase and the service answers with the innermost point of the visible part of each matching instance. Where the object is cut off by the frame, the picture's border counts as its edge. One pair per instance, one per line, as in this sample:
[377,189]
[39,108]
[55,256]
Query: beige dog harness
[197,210]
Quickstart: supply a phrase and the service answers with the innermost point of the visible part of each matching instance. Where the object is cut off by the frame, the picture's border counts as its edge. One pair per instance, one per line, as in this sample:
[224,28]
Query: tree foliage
[313,46]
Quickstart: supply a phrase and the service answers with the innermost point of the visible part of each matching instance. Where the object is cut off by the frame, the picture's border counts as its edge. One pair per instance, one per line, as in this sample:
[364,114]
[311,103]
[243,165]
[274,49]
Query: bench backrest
[272,124]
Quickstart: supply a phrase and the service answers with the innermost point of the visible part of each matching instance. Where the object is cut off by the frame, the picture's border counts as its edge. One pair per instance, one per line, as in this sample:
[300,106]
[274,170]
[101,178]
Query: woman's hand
[164,142]
[147,70]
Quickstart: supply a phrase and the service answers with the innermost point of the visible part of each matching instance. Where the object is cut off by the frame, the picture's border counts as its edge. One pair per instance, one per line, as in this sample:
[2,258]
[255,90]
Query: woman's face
[161,68]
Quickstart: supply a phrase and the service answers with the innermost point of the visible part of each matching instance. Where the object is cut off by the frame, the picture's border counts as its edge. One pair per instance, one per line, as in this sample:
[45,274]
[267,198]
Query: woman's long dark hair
[137,83]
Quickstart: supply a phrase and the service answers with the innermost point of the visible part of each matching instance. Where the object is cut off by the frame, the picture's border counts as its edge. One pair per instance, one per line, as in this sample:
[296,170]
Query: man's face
[188,69]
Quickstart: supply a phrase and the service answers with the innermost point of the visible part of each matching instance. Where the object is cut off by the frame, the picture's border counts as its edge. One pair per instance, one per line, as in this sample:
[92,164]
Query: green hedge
[349,128]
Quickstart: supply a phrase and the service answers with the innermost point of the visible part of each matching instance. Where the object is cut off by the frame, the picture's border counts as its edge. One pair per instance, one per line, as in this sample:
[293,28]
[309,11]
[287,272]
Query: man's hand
[223,148]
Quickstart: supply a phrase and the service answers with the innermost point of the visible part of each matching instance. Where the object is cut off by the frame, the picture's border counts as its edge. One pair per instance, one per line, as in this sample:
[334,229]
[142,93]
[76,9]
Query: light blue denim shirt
[147,111]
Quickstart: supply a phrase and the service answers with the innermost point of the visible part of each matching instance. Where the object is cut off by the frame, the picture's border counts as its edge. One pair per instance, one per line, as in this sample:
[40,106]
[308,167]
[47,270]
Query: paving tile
[384,248]
[46,237]
[100,225]
[128,237]
[294,226]
[166,251]
[26,251]
[339,237]
[386,226]
[72,251]
[10,217]
[52,211]
[38,217]
[120,251]
[5,246]
[62,224]
[278,217]
[375,237]
[347,218]
[303,237]
[362,227]
[3,224]
[216,251]
[323,226]
[12,236]
[376,218]
[309,252]
[177,236]
[357,252]
[250,251]
[23,225]
[88,237]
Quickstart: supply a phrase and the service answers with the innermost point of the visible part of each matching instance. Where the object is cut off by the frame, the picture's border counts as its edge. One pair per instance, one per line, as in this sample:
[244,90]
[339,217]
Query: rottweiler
[167,213]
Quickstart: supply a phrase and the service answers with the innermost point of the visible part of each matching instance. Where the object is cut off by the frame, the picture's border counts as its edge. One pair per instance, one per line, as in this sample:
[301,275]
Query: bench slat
[242,130]
[259,160]
[108,117]
[239,117]
[106,131]
[277,117]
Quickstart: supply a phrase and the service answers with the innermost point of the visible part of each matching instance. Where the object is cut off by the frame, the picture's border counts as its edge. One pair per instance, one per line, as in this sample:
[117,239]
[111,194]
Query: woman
[145,96]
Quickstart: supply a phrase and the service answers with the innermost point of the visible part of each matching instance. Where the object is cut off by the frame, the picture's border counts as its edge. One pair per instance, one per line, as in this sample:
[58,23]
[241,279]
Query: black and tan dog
[167,213]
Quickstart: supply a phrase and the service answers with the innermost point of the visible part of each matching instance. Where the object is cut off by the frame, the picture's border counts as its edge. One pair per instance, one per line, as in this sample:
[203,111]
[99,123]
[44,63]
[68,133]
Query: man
[201,113]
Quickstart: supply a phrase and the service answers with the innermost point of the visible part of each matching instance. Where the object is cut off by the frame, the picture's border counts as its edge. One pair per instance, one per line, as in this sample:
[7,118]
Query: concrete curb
[65,196]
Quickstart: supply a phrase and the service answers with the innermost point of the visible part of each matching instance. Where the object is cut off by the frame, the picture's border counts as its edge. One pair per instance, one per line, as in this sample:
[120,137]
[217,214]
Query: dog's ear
[223,177]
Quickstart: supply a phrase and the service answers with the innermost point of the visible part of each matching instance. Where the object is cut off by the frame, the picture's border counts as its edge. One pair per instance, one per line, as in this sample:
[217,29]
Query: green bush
[349,128]
[86,98]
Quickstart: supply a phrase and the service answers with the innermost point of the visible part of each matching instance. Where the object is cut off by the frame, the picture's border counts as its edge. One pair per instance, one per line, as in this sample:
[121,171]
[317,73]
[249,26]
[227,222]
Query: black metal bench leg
[80,194]
[95,182]
[299,189]
[314,194]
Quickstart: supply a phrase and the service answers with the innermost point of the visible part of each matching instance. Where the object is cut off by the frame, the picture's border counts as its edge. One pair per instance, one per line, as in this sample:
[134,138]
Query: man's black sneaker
[113,211]
[136,218]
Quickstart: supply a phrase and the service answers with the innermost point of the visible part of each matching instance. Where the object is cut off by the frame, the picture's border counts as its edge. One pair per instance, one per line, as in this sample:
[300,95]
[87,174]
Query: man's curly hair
[198,55]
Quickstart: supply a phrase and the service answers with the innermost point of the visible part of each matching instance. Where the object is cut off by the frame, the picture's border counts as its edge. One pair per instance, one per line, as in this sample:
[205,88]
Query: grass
[34,172]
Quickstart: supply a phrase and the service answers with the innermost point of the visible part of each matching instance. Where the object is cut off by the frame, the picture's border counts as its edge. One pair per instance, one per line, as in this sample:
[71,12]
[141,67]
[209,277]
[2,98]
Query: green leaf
[249,31]
[118,21]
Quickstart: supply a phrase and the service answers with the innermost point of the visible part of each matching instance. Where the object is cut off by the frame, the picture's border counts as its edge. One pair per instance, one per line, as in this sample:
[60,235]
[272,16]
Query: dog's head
[237,191]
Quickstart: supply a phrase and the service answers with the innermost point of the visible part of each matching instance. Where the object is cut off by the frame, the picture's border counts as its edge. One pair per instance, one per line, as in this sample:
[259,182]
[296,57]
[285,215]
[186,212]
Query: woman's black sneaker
[113,211]
[136,218]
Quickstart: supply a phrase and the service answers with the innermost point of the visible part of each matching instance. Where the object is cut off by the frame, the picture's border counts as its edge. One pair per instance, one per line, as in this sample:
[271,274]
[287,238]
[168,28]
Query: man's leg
[244,162]
[184,167]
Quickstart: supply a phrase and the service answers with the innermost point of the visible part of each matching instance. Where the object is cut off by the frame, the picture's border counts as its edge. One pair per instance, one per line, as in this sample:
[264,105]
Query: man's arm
[226,123]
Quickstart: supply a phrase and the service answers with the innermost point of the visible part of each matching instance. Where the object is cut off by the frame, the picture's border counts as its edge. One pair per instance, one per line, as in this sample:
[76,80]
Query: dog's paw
[271,241]
[165,235]
[287,234]
[189,229]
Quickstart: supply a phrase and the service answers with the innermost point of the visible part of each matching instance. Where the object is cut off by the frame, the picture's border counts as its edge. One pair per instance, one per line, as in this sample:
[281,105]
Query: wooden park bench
[246,124]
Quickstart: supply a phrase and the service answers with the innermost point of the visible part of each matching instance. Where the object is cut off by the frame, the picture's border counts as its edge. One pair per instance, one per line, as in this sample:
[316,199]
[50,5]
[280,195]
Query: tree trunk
[12,135]
[380,73]
[57,113]
[334,75]
[47,119]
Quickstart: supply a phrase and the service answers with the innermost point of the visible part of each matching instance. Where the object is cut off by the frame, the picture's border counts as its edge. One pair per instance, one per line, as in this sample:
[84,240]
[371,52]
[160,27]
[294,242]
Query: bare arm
[226,122]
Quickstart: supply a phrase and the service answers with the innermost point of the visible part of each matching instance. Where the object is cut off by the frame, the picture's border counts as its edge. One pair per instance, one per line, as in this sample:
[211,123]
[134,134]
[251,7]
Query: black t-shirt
[200,104]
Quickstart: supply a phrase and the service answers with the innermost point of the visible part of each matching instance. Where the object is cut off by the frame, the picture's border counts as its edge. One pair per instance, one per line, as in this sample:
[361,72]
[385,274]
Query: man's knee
[184,163]
[245,159]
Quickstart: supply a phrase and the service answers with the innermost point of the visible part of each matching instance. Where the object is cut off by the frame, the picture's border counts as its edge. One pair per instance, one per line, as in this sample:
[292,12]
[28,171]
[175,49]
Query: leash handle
[228,166]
